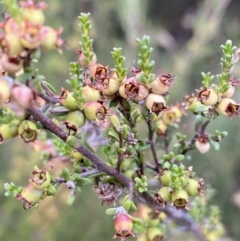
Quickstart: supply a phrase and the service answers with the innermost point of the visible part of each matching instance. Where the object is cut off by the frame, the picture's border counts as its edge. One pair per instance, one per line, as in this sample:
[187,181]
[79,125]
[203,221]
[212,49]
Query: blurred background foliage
[186,36]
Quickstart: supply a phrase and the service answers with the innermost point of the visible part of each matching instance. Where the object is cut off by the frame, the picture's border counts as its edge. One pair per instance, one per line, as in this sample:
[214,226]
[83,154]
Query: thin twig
[191,143]
[90,173]
[152,143]
[120,155]
[49,99]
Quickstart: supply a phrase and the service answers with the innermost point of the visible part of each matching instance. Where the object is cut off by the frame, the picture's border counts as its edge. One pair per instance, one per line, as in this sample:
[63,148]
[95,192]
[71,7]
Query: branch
[98,163]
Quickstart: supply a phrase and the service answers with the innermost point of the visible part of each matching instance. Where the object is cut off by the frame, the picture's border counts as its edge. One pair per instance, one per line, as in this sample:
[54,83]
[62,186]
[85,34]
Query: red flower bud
[11,65]
[83,61]
[11,27]
[123,225]
[50,38]
[22,95]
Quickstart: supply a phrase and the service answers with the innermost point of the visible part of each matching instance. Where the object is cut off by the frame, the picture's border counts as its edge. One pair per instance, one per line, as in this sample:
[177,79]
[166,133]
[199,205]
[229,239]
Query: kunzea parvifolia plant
[105,121]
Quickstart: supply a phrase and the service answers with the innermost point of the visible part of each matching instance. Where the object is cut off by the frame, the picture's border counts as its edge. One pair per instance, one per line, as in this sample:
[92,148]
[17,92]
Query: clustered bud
[21,37]
[178,196]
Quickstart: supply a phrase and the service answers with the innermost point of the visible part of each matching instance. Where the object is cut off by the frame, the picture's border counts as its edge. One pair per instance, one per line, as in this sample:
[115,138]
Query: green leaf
[179,157]
[111,211]
[65,174]
[216,145]
[49,86]
[113,134]
[71,199]
[142,189]
[83,182]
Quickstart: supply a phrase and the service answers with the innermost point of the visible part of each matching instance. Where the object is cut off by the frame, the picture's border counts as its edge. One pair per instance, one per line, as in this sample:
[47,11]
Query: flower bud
[230,92]
[207,96]
[11,27]
[30,36]
[154,234]
[162,84]
[75,120]
[90,94]
[5,88]
[194,187]
[155,103]
[98,71]
[142,237]
[40,178]
[123,225]
[22,95]
[28,131]
[94,111]
[165,177]
[162,128]
[11,65]
[76,155]
[11,45]
[192,103]
[8,131]
[30,196]
[110,86]
[228,107]
[83,61]
[179,198]
[163,195]
[202,143]
[50,38]
[187,176]
[131,89]
[33,12]
[172,115]
[68,101]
